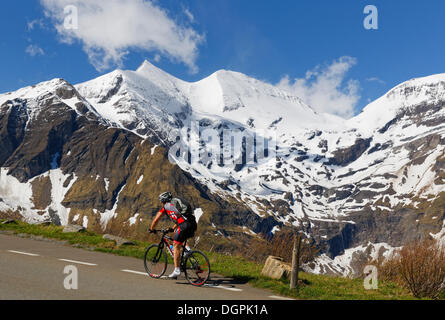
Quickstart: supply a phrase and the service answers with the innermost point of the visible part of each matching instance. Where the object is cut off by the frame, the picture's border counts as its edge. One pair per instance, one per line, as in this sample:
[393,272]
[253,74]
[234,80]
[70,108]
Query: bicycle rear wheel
[155,261]
[197,268]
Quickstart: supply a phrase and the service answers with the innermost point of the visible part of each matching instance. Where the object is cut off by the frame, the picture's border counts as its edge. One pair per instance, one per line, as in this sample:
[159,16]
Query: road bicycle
[194,263]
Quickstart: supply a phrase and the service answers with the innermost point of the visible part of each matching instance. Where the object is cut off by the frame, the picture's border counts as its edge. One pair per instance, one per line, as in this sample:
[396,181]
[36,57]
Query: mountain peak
[149,71]
[418,91]
[224,72]
[146,65]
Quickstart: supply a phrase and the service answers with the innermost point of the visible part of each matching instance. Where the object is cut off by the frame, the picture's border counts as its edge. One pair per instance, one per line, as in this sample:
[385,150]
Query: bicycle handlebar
[163,231]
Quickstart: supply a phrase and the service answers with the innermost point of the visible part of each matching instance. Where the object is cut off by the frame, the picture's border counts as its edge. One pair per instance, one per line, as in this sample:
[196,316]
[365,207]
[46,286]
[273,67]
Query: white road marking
[78,262]
[25,253]
[136,272]
[224,287]
[280,298]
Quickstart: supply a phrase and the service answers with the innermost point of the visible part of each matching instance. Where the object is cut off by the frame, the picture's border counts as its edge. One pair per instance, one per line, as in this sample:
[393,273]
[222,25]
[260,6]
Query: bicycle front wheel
[197,268]
[155,261]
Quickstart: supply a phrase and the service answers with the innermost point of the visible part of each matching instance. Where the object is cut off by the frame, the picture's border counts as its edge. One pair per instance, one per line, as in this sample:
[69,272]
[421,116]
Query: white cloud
[375,79]
[34,50]
[108,30]
[325,88]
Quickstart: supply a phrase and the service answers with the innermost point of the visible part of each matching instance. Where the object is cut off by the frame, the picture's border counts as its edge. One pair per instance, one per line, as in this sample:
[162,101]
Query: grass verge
[239,269]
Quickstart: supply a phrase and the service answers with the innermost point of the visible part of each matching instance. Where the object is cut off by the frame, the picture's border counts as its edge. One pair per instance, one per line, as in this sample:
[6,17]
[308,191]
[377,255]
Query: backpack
[185,209]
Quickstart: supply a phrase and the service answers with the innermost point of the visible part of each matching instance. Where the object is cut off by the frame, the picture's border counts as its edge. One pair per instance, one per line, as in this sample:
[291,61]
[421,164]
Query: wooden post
[295,263]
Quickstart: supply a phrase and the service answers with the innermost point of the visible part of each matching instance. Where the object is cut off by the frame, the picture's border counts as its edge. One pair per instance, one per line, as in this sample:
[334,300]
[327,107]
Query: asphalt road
[34,270]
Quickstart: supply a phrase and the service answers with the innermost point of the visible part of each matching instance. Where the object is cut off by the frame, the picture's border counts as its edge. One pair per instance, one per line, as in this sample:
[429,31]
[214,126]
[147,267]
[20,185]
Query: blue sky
[269,40]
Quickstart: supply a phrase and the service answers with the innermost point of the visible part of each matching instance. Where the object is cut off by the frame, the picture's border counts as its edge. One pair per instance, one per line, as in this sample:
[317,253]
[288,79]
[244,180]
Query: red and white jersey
[173,213]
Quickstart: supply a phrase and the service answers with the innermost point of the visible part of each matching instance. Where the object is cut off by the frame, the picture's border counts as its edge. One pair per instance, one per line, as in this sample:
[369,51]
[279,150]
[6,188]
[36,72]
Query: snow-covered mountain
[139,100]
[373,182]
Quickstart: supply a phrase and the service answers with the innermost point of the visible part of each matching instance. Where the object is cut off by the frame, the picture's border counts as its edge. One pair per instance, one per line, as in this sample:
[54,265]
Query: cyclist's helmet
[165,197]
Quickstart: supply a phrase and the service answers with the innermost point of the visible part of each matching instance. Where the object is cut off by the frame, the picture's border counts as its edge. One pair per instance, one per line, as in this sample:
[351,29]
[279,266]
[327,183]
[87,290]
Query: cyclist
[185,225]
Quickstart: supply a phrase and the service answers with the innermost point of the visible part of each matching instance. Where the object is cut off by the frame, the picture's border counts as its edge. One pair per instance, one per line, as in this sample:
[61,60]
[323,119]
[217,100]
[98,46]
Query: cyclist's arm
[156,219]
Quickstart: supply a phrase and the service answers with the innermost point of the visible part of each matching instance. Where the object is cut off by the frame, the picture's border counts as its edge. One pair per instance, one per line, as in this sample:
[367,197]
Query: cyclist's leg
[178,240]
[176,258]
[177,253]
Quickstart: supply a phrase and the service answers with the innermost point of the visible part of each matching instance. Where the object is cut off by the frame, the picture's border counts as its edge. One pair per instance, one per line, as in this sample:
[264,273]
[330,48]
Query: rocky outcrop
[13,119]
[41,191]
[118,240]
[113,90]
[70,228]
[275,268]
[43,141]
[343,157]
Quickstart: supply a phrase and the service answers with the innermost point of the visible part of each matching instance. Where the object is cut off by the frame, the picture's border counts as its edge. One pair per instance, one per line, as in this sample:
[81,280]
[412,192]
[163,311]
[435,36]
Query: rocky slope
[100,152]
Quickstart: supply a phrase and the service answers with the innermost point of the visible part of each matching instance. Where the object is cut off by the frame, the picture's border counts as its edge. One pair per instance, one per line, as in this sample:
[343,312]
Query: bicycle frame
[167,241]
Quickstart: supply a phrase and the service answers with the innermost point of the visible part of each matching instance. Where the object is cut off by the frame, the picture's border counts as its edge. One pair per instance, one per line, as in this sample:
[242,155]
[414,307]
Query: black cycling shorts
[184,231]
